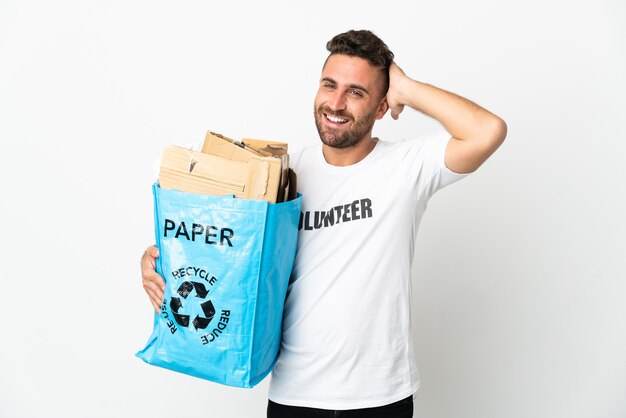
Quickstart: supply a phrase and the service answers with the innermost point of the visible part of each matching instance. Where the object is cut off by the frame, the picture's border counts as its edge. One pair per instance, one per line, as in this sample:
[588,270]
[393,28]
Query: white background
[520,274]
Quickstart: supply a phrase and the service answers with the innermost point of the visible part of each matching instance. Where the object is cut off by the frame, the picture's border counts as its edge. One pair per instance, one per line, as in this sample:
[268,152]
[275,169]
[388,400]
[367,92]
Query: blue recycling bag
[226,264]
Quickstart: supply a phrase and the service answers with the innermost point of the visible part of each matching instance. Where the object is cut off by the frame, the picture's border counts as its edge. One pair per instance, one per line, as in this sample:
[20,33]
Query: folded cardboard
[251,169]
[221,146]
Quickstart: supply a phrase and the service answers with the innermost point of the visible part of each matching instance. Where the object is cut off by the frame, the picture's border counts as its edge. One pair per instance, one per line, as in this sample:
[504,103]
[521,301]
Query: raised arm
[476,132]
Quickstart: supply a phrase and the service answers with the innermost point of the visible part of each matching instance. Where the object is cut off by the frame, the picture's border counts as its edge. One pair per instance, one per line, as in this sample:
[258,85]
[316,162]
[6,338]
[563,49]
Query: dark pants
[400,409]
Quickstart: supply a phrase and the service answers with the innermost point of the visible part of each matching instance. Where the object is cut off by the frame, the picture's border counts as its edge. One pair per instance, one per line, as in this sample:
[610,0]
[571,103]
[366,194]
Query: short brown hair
[363,44]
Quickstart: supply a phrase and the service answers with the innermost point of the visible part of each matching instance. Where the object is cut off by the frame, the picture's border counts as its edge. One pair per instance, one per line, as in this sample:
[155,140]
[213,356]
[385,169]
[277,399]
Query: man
[346,347]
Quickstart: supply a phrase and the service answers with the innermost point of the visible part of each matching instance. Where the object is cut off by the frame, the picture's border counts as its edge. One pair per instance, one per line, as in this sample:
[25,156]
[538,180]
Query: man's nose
[337,101]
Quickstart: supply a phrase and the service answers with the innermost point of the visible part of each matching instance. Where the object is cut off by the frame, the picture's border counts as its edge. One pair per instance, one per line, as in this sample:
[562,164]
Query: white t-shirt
[347,333]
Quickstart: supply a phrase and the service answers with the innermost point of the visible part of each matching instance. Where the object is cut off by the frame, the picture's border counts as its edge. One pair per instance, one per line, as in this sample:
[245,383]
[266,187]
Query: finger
[148,273]
[395,112]
[149,257]
[153,280]
[155,295]
[154,251]
[154,291]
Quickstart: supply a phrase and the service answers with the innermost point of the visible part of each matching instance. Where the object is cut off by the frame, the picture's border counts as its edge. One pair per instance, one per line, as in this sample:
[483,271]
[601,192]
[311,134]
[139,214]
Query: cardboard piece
[250,169]
[252,150]
[196,172]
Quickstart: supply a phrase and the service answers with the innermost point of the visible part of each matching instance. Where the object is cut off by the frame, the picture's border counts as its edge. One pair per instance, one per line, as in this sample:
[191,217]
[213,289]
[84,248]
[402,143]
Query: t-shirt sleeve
[426,167]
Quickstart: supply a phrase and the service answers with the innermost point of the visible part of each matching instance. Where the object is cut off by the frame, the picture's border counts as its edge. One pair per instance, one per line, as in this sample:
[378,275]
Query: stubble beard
[346,138]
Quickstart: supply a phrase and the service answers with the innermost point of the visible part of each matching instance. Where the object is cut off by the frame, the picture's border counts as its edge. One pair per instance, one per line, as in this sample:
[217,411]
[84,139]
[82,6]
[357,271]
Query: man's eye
[328,85]
[356,93]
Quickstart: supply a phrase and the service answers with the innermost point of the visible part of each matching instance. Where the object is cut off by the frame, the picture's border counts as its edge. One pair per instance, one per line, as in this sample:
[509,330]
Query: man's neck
[342,157]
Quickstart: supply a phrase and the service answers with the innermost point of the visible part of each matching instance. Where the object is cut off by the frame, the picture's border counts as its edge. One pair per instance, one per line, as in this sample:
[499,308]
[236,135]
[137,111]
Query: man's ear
[382,108]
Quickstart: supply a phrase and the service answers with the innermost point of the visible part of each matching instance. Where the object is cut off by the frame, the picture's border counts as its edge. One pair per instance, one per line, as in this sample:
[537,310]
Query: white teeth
[336,119]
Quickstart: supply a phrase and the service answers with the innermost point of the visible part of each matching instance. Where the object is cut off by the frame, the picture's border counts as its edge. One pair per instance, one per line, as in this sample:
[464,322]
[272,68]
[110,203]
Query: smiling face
[349,100]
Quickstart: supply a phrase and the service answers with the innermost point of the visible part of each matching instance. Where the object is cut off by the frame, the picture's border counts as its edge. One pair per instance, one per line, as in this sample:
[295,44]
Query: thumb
[395,112]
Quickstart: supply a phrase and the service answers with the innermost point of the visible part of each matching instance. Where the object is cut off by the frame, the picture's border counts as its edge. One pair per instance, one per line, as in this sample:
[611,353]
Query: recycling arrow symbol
[207,307]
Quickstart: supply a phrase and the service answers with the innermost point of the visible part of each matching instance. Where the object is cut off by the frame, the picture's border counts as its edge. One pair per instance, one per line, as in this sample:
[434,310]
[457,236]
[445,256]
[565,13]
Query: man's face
[349,100]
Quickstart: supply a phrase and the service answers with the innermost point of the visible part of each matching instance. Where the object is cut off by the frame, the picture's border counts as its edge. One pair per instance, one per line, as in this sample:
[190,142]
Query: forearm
[462,118]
